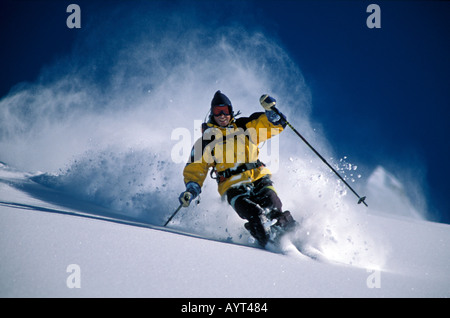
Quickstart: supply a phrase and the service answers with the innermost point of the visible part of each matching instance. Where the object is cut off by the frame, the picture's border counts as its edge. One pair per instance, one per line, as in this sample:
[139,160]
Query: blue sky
[380,95]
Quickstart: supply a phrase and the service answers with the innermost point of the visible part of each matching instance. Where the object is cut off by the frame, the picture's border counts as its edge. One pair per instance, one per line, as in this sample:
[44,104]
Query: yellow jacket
[223,148]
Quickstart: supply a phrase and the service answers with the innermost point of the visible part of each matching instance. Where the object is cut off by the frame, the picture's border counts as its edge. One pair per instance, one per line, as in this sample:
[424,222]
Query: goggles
[221,109]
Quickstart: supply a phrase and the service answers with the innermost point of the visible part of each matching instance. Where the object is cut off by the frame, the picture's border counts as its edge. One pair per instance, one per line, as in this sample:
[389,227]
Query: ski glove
[275,117]
[192,191]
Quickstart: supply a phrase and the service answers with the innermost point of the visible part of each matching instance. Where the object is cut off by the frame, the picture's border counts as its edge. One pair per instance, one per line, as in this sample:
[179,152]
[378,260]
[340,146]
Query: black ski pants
[250,200]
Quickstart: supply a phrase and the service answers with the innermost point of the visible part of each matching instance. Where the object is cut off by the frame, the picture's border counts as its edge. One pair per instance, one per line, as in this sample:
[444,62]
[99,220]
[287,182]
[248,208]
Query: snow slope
[41,236]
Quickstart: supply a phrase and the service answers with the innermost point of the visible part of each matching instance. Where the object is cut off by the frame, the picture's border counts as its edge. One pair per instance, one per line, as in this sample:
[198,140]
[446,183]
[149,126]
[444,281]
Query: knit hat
[220,99]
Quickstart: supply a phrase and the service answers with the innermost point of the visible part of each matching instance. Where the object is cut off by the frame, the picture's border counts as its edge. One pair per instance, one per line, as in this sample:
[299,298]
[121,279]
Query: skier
[229,147]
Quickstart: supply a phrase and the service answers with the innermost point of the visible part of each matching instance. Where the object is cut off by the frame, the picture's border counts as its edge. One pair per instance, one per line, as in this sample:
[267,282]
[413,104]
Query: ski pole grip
[267,102]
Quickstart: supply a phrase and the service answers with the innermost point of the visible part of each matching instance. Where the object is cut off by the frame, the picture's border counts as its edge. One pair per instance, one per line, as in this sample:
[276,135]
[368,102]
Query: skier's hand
[192,191]
[267,102]
[186,198]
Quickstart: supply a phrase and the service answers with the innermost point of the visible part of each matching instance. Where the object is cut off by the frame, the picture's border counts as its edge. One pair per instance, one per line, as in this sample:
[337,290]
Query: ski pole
[360,199]
[173,214]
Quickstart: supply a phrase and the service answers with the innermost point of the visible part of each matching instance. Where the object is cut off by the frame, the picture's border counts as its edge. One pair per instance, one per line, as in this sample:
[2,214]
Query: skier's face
[222,120]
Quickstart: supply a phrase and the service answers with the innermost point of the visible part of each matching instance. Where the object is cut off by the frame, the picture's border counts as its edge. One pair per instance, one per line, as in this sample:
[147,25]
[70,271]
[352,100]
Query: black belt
[222,175]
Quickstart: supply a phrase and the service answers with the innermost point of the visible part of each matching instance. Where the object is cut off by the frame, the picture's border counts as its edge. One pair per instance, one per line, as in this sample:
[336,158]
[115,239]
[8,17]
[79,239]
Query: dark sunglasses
[221,109]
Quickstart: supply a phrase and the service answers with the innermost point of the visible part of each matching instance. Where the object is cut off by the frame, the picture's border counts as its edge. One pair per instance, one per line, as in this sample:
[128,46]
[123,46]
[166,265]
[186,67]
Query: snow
[41,237]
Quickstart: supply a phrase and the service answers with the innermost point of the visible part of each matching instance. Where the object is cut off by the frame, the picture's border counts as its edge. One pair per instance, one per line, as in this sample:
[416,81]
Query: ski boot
[260,228]
[283,223]
[284,220]
[271,226]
